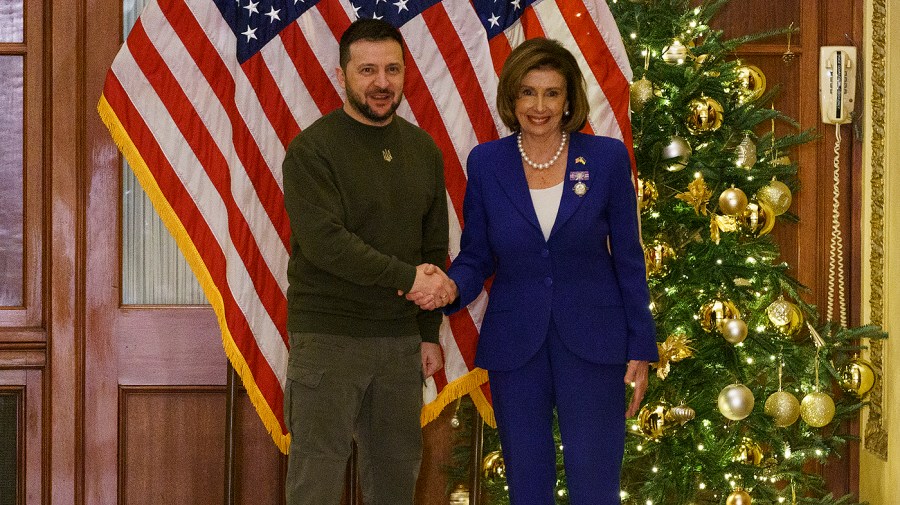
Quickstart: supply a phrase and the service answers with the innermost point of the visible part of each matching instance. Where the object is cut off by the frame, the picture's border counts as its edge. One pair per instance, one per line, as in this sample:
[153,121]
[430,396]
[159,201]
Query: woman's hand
[636,375]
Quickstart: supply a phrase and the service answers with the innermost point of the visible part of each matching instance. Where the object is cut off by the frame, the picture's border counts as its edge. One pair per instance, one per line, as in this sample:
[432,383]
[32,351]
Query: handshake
[432,289]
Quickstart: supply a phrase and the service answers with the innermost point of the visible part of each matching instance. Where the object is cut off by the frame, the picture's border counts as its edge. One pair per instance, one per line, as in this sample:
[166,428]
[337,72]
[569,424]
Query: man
[364,191]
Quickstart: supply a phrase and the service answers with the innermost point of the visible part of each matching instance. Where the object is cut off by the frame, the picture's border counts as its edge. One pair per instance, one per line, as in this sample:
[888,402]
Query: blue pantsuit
[564,315]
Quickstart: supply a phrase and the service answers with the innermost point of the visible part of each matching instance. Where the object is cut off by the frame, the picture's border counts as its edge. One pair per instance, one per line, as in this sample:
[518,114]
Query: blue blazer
[589,277]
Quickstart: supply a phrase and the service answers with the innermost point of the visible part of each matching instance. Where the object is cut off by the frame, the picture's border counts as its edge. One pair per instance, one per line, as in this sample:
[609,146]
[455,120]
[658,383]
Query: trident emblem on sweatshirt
[387,155]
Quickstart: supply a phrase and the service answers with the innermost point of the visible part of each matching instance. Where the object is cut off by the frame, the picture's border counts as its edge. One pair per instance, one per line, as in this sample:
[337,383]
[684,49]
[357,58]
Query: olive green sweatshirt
[366,205]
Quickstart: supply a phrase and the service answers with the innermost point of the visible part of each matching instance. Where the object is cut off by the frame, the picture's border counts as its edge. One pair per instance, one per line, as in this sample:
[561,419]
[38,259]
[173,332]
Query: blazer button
[545,253]
[548,281]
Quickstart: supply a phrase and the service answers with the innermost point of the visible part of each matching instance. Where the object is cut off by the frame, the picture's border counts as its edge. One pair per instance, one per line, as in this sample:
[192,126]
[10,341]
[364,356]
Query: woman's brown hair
[541,53]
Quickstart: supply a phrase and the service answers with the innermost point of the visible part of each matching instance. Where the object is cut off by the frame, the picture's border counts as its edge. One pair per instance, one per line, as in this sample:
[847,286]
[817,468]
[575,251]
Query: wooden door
[154,374]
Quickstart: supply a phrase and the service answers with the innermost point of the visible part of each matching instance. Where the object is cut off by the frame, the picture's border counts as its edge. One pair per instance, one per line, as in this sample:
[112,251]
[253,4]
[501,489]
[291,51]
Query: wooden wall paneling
[171,445]
[256,462]
[34,477]
[64,95]
[28,383]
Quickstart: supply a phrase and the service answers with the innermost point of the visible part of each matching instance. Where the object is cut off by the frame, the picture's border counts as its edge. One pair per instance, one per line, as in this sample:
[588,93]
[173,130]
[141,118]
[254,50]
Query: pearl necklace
[541,166]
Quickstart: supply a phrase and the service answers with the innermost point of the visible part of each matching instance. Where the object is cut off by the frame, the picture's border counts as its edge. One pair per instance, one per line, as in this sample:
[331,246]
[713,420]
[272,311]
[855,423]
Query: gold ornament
[674,349]
[734,330]
[783,407]
[736,402]
[493,467]
[733,201]
[746,153]
[652,420]
[460,495]
[701,60]
[714,228]
[752,82]
[817,409]
[749,453]
[680,414]
[697,195]
[759,218]
[782,160]
[657,256]
[739,497]
[714,314]
[777,195]
[641,93]
[785,317]
[675,53]
[676,153]
[705,114]
[726,223]
[647,194]
[857,377]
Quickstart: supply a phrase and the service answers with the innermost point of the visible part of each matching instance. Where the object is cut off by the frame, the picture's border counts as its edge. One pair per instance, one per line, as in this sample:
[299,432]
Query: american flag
[205,95]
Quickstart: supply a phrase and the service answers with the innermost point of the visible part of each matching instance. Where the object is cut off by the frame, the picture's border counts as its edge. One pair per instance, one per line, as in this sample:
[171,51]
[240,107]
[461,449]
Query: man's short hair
[373,30]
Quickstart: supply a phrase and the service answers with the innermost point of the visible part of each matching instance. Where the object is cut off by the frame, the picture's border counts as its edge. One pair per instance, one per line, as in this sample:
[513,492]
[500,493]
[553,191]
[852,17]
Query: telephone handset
[837,83]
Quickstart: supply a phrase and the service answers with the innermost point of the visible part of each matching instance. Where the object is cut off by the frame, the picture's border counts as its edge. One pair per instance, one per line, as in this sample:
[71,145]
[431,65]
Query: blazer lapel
[577,167]
[511,179]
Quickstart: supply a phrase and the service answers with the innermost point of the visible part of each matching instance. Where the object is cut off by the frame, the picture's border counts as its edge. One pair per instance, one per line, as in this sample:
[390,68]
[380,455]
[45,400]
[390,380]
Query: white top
[546,205]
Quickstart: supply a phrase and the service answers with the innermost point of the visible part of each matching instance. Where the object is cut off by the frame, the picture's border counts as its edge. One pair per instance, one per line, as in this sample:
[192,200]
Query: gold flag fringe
[176,228]
[468,384]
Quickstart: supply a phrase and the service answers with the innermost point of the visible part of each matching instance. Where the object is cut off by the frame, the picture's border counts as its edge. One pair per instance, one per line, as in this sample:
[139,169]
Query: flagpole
[230,393]
[475,464]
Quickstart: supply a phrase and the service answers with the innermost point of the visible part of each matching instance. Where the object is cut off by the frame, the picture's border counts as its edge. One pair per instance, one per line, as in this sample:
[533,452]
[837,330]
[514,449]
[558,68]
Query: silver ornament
[746,153]
[736,402]
[676,153]
[675,53]
[734,330]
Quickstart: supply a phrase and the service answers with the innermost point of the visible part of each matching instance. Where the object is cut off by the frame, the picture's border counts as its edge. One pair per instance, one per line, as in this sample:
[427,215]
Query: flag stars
[401,6]
[517,4]
[295,1]
[251,8]
[494,20]
[355,9]
[273,15]
[250,33]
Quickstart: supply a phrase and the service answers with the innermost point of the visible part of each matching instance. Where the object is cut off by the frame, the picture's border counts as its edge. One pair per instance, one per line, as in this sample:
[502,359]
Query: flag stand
[230,394]
[475,464]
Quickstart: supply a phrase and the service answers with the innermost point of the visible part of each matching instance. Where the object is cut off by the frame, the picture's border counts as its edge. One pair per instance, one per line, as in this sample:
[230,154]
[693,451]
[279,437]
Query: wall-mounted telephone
[837,83]
[837,91]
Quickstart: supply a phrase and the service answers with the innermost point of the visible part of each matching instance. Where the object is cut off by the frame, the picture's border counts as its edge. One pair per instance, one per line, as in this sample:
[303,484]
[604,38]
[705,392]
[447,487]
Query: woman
[551,213]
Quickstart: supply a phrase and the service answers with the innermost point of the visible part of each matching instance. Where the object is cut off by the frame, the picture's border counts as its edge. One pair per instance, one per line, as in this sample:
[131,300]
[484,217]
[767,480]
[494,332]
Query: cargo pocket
[298,377]
[305,376]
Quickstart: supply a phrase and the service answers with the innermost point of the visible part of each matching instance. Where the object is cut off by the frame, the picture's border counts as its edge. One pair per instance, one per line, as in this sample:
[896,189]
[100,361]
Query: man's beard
[363,108]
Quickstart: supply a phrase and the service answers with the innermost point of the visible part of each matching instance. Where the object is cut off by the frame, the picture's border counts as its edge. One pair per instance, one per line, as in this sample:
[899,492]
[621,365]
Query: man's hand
[432,288]
[636,375]
[432,359]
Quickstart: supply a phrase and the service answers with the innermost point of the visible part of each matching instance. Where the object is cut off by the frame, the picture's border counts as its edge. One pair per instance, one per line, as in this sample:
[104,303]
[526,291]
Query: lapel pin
[580,159]
[580,188]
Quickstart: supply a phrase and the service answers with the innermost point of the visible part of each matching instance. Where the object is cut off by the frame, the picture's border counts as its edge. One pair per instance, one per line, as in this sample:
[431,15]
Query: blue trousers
[590,402]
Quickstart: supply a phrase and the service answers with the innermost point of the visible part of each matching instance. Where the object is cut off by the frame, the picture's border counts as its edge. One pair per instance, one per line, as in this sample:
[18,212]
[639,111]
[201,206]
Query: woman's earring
[566,113]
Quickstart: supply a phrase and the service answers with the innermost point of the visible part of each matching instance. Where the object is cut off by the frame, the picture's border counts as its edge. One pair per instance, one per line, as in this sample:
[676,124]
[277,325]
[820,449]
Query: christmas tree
[741,401]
